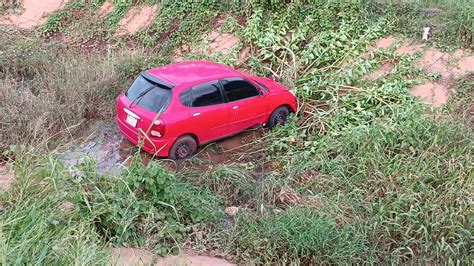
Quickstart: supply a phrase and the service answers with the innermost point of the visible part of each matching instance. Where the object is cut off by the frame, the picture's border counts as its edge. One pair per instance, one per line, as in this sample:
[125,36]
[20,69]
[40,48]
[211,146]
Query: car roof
[192,72]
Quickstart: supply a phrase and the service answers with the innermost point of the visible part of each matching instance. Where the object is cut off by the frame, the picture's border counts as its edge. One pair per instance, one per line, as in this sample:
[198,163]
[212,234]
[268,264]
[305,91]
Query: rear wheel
[279,116]
[183,147]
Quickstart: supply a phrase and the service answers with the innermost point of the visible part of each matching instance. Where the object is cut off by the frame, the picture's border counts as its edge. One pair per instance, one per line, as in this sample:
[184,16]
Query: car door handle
[196,114]
[235,107]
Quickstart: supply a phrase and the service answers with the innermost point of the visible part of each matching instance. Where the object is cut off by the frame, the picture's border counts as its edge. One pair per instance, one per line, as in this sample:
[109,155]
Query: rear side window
[237,89]
[185,97]
[149,95]
[206,94]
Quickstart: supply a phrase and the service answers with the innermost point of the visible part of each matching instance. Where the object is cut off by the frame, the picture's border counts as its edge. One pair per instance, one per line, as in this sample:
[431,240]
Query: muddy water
[105,145]
[111,151]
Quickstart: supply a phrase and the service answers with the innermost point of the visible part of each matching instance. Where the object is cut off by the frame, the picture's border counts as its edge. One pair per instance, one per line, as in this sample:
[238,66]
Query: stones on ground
[231,211]
[35,13]
[137,18]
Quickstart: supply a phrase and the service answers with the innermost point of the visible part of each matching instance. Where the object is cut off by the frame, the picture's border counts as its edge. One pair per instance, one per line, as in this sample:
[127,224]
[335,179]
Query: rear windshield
[149,95]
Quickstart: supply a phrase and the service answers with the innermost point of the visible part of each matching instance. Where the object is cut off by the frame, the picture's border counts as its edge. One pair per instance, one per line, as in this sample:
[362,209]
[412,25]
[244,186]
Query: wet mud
[111,151]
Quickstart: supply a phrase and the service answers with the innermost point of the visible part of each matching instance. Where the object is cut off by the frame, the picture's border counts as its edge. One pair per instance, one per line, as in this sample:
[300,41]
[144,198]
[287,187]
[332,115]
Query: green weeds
[364,173]
[61,215]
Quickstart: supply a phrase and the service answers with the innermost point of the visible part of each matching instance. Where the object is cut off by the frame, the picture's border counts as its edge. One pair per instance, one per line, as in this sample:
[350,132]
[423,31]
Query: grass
[364,174]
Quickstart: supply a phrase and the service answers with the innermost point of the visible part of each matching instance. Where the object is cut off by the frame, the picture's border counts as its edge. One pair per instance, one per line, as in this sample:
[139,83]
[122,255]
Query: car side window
[185,97]
[206,94]
[237,89]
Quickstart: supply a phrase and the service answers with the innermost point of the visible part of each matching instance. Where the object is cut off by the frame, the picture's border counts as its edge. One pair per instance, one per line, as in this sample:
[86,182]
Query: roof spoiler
[155,79]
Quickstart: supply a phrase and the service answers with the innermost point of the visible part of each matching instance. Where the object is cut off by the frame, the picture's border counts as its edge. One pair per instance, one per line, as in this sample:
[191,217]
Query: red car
[175,108]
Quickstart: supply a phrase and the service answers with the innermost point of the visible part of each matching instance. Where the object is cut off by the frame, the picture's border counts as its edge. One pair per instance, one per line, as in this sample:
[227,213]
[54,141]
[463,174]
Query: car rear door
[247,106]
[209,115]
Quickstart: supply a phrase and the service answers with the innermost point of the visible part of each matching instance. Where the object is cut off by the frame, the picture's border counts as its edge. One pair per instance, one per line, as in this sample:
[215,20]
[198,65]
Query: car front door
[246,104]
[209,115]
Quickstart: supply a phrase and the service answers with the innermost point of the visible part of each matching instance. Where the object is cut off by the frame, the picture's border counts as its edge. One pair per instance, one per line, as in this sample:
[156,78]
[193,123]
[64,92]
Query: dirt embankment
[449,67]
[136,19]
[35,12]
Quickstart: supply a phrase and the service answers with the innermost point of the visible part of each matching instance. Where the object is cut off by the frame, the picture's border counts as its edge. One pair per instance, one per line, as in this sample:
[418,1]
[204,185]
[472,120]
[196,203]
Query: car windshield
[148,94]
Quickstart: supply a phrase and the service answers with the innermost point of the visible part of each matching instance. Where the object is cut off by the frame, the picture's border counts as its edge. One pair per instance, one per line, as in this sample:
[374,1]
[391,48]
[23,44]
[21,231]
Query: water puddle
[111,151]
[105,145]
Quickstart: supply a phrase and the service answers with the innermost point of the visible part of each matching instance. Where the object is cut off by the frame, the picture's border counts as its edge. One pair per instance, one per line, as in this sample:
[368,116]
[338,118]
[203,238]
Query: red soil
[35,13]
[136,19]
[133,256]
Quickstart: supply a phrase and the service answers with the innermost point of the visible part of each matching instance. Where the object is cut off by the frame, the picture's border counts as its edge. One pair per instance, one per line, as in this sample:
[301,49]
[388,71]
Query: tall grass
[364,174]
[366,150]
[37,227]
[48,91]
[52,215]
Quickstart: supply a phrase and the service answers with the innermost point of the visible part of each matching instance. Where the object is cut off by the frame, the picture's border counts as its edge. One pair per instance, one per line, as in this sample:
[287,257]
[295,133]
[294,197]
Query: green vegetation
[364,173]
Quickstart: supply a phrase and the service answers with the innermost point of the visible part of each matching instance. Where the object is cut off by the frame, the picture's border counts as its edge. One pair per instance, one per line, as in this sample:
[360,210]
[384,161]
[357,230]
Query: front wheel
[183,147]
[279,116]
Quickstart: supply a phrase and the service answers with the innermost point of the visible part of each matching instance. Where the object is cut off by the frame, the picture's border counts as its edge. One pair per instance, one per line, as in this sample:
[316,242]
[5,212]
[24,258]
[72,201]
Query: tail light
[158,129]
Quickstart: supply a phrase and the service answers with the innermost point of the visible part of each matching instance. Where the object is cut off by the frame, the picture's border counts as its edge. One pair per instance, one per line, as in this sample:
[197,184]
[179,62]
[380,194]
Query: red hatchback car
[175,108]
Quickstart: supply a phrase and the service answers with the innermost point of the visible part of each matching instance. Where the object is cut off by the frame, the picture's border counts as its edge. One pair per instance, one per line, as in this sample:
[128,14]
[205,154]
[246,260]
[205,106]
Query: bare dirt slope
[35,13]
[136,19]
[449,66]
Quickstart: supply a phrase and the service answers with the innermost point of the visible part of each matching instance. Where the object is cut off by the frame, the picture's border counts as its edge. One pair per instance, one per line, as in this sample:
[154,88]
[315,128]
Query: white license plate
[131,120]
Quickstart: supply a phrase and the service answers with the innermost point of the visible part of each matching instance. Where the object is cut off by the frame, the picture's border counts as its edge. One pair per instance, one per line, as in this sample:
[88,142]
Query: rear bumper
[157,147]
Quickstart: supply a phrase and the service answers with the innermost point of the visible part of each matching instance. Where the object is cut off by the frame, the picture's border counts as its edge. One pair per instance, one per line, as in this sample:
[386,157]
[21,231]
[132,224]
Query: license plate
[131,120]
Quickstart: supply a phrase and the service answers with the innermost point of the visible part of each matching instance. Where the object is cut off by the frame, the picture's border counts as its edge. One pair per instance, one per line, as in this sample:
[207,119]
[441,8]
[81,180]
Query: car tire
[279,116]
[183,147]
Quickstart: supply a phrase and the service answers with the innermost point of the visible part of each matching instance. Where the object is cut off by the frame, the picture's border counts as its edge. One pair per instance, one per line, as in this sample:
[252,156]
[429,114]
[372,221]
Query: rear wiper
[141,95]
